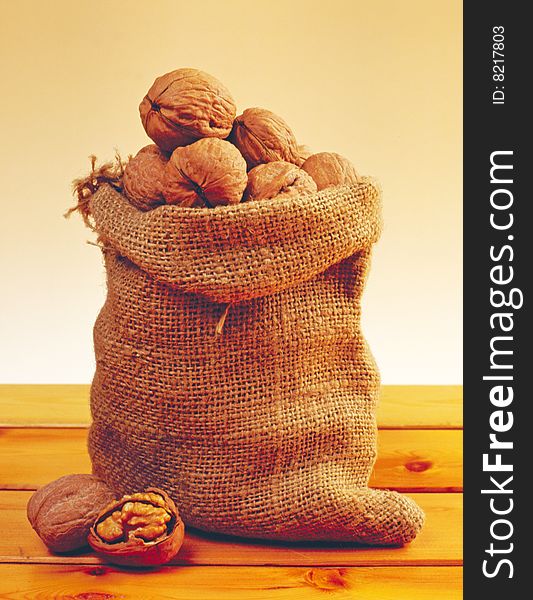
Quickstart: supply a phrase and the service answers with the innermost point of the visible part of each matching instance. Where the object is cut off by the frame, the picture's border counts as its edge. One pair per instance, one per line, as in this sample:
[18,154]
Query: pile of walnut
[206,156]
[140,529]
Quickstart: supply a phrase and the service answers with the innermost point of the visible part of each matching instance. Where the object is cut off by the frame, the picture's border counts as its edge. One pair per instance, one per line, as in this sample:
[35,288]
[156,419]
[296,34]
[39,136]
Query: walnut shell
[208,173]
[263,137]
[134,544]
[184,106]
[278,179]
[63,511]
[143,178]
[329,169]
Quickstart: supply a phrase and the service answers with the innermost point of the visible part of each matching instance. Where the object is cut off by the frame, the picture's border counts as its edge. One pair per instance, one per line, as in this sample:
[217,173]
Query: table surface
[43,436]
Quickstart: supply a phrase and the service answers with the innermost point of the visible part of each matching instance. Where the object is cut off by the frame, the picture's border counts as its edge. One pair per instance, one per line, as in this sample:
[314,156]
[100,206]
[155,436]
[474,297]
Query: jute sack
[231,369]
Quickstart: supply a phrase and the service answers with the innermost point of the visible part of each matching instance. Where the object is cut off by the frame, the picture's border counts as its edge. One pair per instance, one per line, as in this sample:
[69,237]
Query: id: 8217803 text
[498,64]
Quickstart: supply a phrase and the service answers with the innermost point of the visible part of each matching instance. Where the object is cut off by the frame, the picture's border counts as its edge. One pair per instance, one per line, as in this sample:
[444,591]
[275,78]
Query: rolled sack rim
[236,252]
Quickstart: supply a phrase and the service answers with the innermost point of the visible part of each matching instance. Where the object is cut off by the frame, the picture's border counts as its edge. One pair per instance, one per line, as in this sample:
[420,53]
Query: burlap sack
[267,428]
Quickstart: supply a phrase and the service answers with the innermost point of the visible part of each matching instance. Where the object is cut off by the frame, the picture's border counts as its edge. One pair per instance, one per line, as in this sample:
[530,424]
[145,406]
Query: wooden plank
[422,406]
[30,458]
[230,583]
[44,405]
[407,460]
[439,543]
[419,460]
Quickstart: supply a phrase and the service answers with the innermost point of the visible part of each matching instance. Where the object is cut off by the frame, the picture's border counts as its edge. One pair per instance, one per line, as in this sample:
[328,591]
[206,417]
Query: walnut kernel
[139,529]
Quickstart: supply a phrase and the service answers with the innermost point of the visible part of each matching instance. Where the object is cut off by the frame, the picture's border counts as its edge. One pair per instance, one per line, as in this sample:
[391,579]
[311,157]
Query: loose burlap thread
[231,369]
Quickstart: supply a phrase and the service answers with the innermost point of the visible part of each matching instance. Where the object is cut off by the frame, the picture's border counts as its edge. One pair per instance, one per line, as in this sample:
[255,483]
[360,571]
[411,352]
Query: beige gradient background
[378,81]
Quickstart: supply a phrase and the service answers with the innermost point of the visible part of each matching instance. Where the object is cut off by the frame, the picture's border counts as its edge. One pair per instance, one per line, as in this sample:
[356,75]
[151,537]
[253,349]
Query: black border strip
[499,127]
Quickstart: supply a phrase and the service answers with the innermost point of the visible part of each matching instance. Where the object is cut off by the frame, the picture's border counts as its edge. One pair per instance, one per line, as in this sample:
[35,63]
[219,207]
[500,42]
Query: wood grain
[44,405]
[422,407]
[420,449]
[407,460]
[419,460]
[439,543]
[231,583]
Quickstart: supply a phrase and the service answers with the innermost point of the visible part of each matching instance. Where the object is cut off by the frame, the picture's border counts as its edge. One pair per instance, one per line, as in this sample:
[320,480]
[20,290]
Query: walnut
[263,137]
[208,173]
[139,529]
[329,169]
[143,178]
[184,106]
[276,180]
[63,511]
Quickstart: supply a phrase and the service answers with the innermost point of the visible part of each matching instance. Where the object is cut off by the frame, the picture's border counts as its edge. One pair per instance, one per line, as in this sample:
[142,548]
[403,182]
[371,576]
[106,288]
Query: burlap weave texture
[267,428]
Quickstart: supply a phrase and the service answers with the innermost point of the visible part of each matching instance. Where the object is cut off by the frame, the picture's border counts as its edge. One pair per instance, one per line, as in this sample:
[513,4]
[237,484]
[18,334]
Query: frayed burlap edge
[83,188]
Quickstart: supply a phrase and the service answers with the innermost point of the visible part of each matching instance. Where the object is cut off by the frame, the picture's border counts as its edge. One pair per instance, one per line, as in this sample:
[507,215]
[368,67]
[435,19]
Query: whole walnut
[329,169]
[276,180]
[63,511]
[208,173]
[263,137]
[185,105]
[143,178]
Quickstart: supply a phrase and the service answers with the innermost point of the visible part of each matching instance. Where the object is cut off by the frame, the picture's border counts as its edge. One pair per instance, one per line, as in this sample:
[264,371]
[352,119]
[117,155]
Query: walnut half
[139,529]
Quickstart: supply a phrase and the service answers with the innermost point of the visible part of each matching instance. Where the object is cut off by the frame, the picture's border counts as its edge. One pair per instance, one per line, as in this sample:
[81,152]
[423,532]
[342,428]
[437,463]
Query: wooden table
[42,436]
